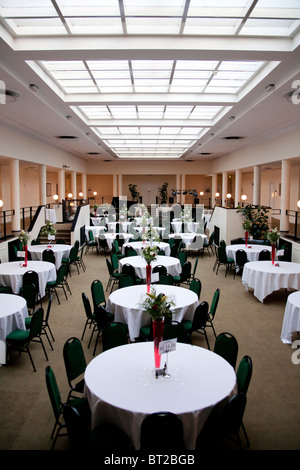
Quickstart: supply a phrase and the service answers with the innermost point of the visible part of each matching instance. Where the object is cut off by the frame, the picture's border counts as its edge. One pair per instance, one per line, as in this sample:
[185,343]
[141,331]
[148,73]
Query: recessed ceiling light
[67,137]
[232,137]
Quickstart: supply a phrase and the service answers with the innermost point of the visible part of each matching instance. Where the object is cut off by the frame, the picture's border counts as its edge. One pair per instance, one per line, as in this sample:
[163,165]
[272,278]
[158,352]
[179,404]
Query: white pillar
[84,185]
[224,187]
[214,187]
[61,185]
[285,195]
[238,187]
[15,195]
[256,185]
[120,179]
[115,185]
[43,182]
[74,185]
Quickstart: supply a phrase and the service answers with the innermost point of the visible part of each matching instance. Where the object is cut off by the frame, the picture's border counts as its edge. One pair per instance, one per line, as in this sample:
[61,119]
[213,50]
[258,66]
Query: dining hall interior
[113,111]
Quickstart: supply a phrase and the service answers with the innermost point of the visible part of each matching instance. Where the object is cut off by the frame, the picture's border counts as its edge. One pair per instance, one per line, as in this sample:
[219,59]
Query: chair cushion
[187,324]
[18,335]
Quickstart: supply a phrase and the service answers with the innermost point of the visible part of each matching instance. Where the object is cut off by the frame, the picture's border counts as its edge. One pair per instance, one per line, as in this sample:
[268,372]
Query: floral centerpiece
[48,229]
[273,235]
[186,214]
[23,237]
[95,206]
[151,234]
[247,225]
[149,253]
[158,306]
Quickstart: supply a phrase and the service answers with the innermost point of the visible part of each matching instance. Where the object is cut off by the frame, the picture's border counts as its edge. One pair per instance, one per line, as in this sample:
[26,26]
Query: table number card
[168,345]
[51,237]
[21,254]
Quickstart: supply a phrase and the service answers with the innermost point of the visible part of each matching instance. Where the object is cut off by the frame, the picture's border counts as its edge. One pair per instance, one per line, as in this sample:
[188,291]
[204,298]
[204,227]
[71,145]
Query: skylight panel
[153,25]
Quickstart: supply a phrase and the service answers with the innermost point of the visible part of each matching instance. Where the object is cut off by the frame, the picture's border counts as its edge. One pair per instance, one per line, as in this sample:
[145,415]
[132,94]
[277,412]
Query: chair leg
[245,434]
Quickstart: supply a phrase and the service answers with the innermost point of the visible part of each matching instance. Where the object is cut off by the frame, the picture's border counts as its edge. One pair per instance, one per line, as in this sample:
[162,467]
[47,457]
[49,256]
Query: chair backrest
[211,238]
[186,271]
[264,255]
[244,374]
[35,242]
[200,316]
[182,256]
[174,329]
[29,293]
[241,257]
[170,427]
[129,251]
[73,254]
[222,257]
[91,236]
[231,416]
[195,266]
[60,274]
[101,317]
[196,286]
[226,346]
[78,432]
[49,307]
[166,279]
[60,241]
[114,334]
[109,267]
[53,391]
[114,261]
[159,269]
[129,270]
[214,303]
[36,323]
[223,243]
[174,249]
[31,277]
[98,295]
[74,359]
[48,255]
[125,281]
[87,306]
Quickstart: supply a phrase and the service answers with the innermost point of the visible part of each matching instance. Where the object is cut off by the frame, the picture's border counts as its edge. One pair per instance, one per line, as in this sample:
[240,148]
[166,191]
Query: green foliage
[256,218]
[163,193]
[134,192]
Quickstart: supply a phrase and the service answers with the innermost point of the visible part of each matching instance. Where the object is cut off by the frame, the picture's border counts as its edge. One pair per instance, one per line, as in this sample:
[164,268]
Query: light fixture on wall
[95,193]
[1,203]
[55,197]
[80,194]
[298,203]
[201,193]
[228,195]
[70,195]
[217,194]
[243,197]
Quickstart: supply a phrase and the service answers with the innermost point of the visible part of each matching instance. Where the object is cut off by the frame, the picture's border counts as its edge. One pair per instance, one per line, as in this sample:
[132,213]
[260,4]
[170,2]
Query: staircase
[63,230]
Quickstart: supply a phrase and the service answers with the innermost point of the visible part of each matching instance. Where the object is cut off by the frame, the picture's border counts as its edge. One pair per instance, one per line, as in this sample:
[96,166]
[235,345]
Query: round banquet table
[188,238]
[189,226]
[97,221]
[125,305]
[110,237]
[124,224]
[11,274]
[13,311]
[265,278]
[121,387]
[252,251]
[95,229]
[139,245]
[60,252]
[138,262]
[291,319]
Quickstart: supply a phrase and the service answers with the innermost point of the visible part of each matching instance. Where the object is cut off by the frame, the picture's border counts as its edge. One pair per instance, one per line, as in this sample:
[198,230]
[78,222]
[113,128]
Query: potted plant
[24,237]
[163,193]
[134,192]
[258,216]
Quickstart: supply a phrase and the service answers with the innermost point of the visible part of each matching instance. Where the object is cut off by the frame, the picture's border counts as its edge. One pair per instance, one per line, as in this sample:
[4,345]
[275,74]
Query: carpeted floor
[272,416]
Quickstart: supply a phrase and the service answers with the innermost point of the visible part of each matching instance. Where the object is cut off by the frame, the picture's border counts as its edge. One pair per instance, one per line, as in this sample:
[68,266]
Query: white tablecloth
[110,237]
[139,245]
[124,226]
[125,305]
[121,387]
[252,251]
[11,274]
[60,251]
[138,262]
[95,229]
[97,221]
[266,278]
[188,226]
[291,319]
[13,311]
[50,215]
[188,238]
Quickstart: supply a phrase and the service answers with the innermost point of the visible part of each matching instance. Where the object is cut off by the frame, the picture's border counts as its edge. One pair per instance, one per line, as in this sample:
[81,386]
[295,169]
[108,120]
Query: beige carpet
[273,409]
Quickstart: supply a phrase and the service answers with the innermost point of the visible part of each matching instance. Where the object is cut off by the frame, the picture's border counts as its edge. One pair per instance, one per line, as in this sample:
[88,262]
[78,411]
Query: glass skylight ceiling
[179,17]
[164,129]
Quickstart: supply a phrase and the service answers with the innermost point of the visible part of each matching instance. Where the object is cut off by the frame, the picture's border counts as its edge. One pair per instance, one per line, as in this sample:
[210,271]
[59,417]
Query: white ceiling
[147,79]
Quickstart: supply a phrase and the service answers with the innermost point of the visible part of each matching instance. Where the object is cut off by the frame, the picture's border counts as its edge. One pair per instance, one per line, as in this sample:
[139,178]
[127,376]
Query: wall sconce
[1,203]
[228,195]
[70,195]
[55,197]
[201,193]
[95,193]
[217,194]
[243,197]
[80,194]
[298,203]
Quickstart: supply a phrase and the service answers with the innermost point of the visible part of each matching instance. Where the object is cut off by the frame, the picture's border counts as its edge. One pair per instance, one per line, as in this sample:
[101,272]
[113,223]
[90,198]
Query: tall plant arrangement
[163,193]
[256,218]
[134,192]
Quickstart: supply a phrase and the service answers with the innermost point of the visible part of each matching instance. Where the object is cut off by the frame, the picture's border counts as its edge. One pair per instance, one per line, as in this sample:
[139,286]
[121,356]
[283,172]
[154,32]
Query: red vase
[273,252]
[158,330]
[148,276]
[246,239]
[26,256]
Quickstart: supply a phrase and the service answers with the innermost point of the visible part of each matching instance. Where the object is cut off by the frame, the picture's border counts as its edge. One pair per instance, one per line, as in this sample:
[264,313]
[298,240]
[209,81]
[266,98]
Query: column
[15,195]
[256,185]
[61,185]
[120,185]
[285,195]
[43,181]
[224,188]
[84,185]
[214,187]
[74,185]
[238,187]
[115,185]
